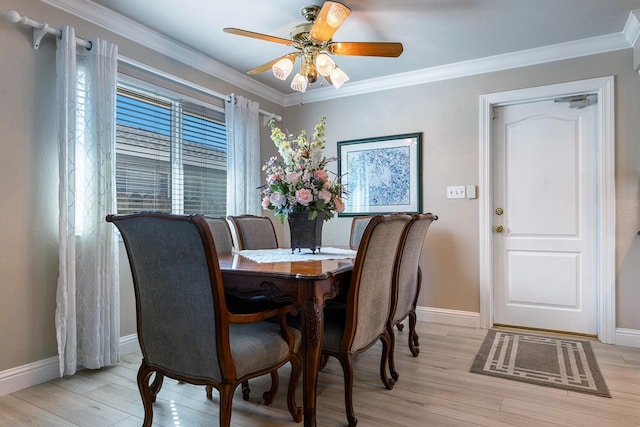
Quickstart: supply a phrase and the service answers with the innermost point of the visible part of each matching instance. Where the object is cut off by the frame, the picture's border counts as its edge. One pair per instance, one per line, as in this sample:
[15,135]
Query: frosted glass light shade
[282,68]
[299,83]
[324,64]
[338,77]
[337,15]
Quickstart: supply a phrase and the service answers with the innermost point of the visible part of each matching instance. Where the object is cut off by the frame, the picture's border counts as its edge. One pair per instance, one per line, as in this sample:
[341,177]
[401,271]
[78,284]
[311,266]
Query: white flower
[278,199]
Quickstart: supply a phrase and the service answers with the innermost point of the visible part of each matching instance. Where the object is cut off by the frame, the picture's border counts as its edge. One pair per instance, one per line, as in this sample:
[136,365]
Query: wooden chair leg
[386,346]
[324,359]
[146,393]
[246,391]
[391,357]
[413,336]
[156,385]
[226,400]
[296,371]
[269,395]
[347,371]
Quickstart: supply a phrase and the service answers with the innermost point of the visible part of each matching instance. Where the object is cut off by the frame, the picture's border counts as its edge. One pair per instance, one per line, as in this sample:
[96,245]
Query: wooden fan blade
[331,16]
[264,67]
[387,49]
[259,36]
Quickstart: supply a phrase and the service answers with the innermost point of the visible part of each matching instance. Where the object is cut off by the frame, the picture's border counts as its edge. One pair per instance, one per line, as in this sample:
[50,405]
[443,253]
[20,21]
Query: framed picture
[382,175]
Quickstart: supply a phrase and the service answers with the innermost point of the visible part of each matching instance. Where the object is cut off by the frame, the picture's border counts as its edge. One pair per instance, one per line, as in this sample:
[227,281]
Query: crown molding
[632,28]
[523,58]
[632,33]
[132,30]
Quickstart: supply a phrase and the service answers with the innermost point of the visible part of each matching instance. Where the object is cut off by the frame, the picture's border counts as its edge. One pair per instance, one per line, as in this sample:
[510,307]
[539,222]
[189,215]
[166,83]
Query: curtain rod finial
[13,16]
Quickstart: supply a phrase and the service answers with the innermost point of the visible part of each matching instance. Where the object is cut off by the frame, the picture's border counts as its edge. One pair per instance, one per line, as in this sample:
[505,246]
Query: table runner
[262,256]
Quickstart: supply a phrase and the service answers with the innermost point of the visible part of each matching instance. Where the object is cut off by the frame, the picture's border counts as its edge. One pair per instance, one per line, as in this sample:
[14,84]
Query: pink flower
[274,177]
[265,202]
[325,196]
[339,205]
[320,175]
[304,197]
[293,177]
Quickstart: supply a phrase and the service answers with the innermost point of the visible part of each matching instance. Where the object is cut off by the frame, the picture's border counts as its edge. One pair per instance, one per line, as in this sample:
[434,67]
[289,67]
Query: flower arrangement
[299,181]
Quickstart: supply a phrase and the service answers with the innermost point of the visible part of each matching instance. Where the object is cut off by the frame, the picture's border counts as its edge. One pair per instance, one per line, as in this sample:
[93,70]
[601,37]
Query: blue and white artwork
[379,177]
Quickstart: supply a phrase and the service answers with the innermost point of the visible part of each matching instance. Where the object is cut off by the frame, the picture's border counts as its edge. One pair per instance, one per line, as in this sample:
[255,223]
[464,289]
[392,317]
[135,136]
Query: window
[171,155]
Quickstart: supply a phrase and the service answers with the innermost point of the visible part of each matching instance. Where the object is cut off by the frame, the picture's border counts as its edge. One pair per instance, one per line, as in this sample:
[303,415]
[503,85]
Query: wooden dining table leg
[306,289]
[312,318]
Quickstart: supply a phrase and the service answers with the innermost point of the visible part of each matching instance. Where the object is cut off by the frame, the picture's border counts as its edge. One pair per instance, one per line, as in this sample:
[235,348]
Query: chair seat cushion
[257,346]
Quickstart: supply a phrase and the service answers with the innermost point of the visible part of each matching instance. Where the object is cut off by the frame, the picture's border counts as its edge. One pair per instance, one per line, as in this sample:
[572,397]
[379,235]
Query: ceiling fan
[312,40]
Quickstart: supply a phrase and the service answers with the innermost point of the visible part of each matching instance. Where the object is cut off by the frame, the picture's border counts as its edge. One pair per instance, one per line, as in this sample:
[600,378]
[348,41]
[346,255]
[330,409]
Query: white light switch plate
[456,192]
[471,192]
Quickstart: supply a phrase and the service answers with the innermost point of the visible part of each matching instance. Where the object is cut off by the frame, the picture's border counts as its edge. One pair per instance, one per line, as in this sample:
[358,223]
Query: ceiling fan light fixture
[338,77]
[314,46]
[325,64]
[331,16]
[337,14]
[282,68]
[299,83]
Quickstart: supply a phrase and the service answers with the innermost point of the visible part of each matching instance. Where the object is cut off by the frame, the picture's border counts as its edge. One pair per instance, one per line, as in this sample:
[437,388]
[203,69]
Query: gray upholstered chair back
[358,225]
[254,232]
[373,270]
[409,264]
[221,234]
[175,282]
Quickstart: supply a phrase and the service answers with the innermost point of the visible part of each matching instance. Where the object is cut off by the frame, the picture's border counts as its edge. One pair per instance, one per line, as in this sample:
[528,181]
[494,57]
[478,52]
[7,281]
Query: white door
[545,212]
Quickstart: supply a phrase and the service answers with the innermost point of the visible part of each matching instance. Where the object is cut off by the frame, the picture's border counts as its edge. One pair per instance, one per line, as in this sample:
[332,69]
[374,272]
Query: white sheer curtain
[243,156]
[88,311]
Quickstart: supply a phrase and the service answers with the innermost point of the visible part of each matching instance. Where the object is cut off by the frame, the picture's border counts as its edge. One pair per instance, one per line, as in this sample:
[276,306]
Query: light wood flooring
[434,389]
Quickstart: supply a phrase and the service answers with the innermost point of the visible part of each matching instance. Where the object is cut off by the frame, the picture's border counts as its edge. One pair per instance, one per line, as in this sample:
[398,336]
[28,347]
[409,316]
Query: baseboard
[624,337]
[628,337]
[129,344]
[35,373]
[25,376]
[448,317]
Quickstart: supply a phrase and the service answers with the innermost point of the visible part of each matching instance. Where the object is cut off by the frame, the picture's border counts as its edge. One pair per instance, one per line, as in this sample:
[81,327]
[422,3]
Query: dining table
[304,279]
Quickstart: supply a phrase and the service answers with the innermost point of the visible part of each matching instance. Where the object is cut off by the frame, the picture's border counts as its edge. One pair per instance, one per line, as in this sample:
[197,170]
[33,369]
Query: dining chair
[353,327]
[407,284]
[221,234]
[358,224]
[254,232]
[184,328]
[223,240]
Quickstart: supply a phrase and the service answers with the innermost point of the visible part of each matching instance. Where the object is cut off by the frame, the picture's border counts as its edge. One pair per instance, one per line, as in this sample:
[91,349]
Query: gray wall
[446,112]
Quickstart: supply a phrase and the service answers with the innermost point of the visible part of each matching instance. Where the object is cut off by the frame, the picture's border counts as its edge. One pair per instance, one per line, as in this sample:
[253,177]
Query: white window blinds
[171,155]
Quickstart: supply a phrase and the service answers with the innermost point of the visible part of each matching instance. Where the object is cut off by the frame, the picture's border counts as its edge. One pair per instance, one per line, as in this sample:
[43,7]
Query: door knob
[499,228]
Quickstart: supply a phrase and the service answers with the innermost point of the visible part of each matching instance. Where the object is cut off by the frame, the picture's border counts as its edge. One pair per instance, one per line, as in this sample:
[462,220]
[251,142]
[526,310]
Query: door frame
[606,210]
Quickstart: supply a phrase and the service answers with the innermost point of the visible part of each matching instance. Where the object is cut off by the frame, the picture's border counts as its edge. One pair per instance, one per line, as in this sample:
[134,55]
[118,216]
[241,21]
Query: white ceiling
[435,33]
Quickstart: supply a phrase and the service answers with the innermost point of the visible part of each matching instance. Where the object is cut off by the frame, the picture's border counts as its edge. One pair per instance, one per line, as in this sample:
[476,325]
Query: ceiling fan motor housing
[300,33]
[310,13]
